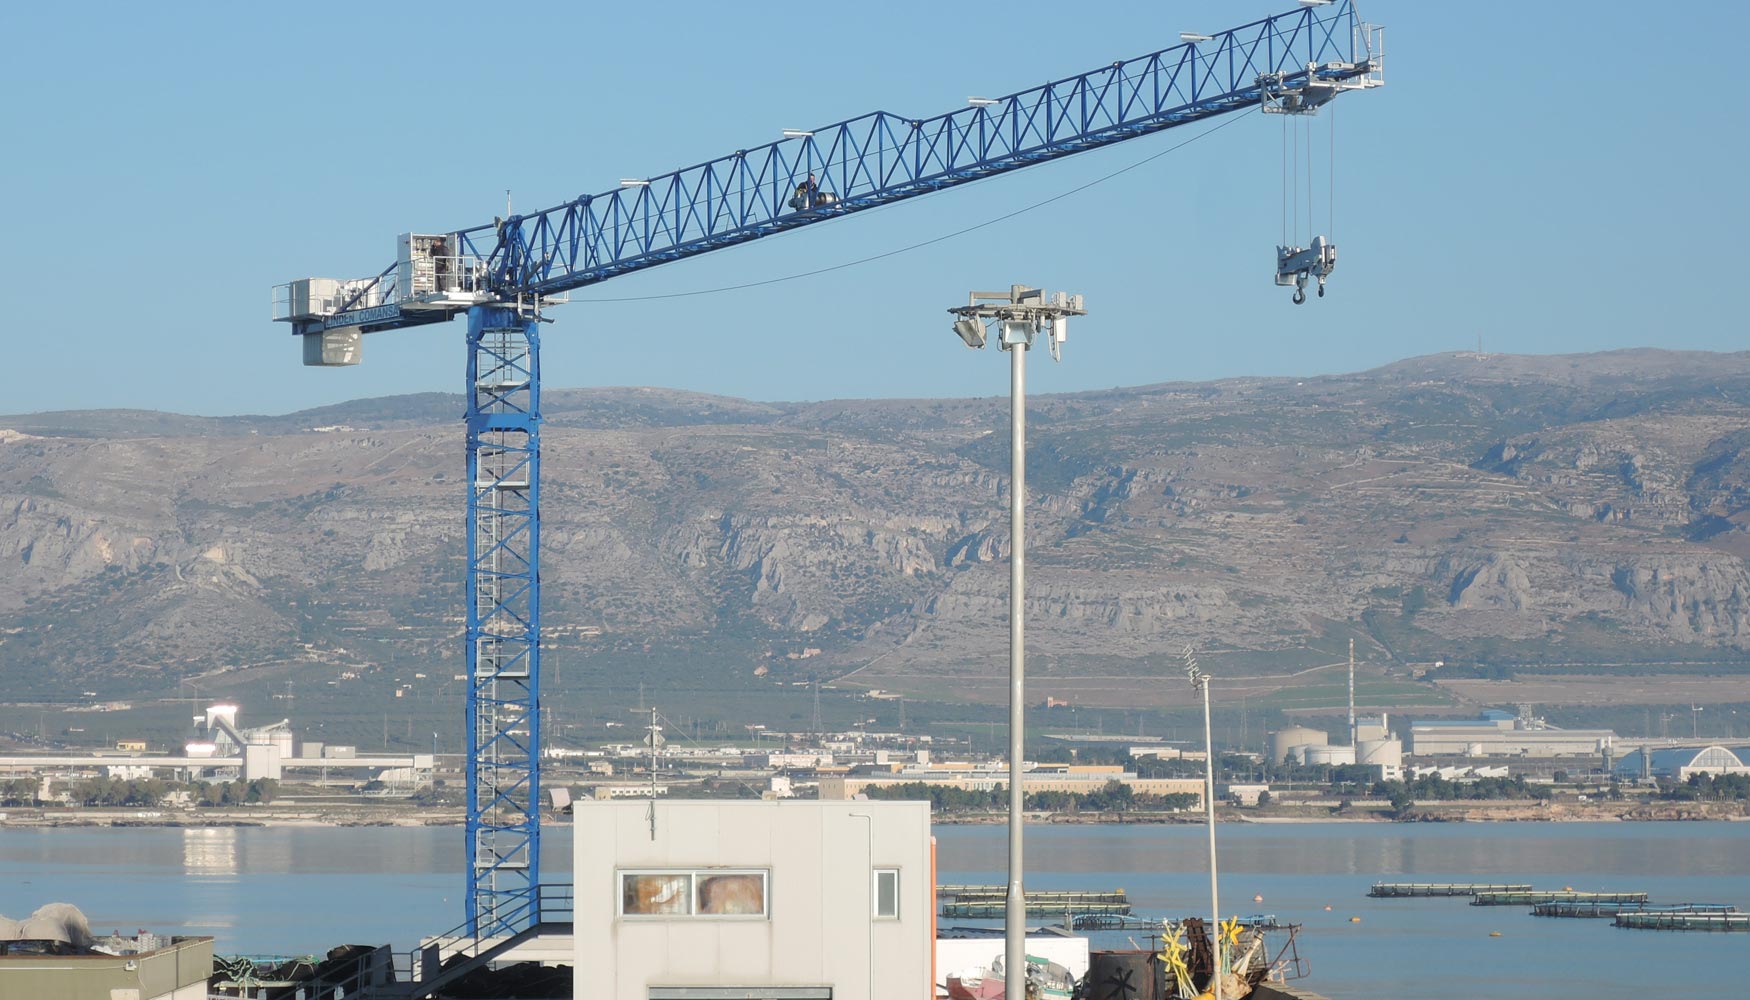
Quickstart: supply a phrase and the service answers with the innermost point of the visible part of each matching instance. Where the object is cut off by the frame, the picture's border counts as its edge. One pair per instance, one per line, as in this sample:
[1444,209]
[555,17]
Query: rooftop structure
[52,954]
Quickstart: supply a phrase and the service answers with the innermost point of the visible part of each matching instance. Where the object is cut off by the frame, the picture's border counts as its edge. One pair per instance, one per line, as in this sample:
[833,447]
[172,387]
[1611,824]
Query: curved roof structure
[1678,762]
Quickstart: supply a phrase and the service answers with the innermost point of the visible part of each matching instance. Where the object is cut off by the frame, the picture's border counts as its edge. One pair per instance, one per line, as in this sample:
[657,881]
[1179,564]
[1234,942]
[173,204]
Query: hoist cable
[1294,133]
[1285,180]
[1309,181]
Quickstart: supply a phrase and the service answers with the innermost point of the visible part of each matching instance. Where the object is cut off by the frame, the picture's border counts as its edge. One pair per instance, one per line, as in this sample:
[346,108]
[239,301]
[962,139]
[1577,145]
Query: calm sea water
[303,890]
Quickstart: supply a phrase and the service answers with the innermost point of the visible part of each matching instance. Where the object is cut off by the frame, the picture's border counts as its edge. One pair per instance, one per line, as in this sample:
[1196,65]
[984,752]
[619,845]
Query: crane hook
[1321,289]
[1299,296]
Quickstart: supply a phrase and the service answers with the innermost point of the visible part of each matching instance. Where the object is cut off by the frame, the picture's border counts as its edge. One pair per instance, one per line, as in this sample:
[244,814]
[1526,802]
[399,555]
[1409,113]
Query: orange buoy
[1494,933]
[1327,909]
[1354,920]
[1259,898]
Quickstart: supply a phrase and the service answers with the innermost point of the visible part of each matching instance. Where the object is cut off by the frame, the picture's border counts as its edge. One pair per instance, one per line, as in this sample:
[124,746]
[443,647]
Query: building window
[700,892]
[656,894]
[887,894]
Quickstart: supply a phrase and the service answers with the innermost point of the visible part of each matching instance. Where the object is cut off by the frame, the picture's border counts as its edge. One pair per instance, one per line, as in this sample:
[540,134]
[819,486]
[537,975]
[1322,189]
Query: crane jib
[879,158]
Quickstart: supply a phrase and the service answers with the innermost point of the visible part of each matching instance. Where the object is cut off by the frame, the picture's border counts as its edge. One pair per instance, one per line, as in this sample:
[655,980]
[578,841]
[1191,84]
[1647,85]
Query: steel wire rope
[929,242]
[1294,193]
[1331,179]
[1309,181]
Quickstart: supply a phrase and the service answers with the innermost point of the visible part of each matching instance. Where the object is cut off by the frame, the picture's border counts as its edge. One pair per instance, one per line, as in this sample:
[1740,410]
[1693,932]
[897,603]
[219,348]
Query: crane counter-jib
[865,162]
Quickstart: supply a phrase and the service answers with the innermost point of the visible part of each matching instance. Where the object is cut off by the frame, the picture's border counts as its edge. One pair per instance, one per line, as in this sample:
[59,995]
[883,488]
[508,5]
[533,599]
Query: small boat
[1046,980]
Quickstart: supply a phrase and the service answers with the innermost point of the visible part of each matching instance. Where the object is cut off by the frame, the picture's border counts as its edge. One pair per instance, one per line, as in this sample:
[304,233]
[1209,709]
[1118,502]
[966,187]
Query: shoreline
[1511,811]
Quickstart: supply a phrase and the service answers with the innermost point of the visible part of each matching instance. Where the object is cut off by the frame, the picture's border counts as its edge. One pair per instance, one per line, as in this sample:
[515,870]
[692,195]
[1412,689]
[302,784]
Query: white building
[1679,763]
[1501,734]
[727,900]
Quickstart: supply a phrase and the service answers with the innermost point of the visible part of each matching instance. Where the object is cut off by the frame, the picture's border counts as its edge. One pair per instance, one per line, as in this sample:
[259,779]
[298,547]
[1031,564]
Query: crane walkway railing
[545,909]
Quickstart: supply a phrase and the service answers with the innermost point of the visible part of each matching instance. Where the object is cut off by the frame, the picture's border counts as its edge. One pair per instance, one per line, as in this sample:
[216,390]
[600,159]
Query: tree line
[145,792]
[1112,797]
[1708,788]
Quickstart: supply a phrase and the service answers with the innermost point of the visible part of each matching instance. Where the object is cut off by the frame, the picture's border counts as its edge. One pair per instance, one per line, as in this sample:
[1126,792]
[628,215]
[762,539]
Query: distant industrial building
[222,750]
[1078,779]
[1503,734]
[1164,752]
[1678,763]
[1374,748]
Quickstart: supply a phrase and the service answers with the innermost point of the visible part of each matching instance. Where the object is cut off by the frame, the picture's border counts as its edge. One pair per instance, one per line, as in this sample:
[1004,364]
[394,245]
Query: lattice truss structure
[502,274]
[504,617]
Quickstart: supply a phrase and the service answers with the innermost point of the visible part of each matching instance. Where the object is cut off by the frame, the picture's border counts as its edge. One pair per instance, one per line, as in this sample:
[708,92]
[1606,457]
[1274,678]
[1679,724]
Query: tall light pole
[1019,315]
[1200,681]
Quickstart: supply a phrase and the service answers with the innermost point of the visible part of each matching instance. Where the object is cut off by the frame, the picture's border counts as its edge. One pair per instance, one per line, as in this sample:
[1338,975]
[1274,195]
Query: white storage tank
[1331,755]
[1388,753]
[1295,736]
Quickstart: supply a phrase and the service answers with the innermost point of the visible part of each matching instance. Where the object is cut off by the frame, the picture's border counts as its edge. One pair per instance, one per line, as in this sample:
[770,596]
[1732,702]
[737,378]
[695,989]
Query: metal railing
[548,903]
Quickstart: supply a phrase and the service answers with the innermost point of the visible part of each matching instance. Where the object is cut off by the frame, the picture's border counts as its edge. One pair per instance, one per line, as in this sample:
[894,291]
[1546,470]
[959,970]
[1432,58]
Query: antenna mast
[654,738]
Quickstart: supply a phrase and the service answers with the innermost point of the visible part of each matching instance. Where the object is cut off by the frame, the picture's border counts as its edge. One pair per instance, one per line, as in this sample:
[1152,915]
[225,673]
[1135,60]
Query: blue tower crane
[506,274]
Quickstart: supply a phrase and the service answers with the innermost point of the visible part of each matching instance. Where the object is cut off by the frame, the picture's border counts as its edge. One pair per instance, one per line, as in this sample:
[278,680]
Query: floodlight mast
[1200,682]
[503,275]
[1023,314]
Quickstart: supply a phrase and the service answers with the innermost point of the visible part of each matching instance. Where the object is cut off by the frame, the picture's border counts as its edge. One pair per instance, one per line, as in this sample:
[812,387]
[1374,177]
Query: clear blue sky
[1555,176]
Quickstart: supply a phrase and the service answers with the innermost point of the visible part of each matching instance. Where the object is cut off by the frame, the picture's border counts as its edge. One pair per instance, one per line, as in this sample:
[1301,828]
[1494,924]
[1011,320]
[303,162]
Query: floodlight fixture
[982,102]
[1019,332]
[796,133]
[633,182]
[971,331]
[1192,36]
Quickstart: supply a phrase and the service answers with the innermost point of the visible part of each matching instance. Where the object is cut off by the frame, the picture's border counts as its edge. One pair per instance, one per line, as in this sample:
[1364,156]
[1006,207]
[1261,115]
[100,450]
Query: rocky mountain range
[1461,508]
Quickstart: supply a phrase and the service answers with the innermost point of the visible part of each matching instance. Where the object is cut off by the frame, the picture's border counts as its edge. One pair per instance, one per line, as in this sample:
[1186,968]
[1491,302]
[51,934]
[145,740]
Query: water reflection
[209,851]
[1368,850]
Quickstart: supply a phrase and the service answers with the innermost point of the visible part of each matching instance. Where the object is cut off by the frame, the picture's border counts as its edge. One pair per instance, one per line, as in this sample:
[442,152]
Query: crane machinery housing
[505,274]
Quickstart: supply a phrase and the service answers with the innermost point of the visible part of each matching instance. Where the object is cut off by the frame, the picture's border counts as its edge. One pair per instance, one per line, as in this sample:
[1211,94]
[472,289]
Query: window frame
[875,894]
[696,876]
